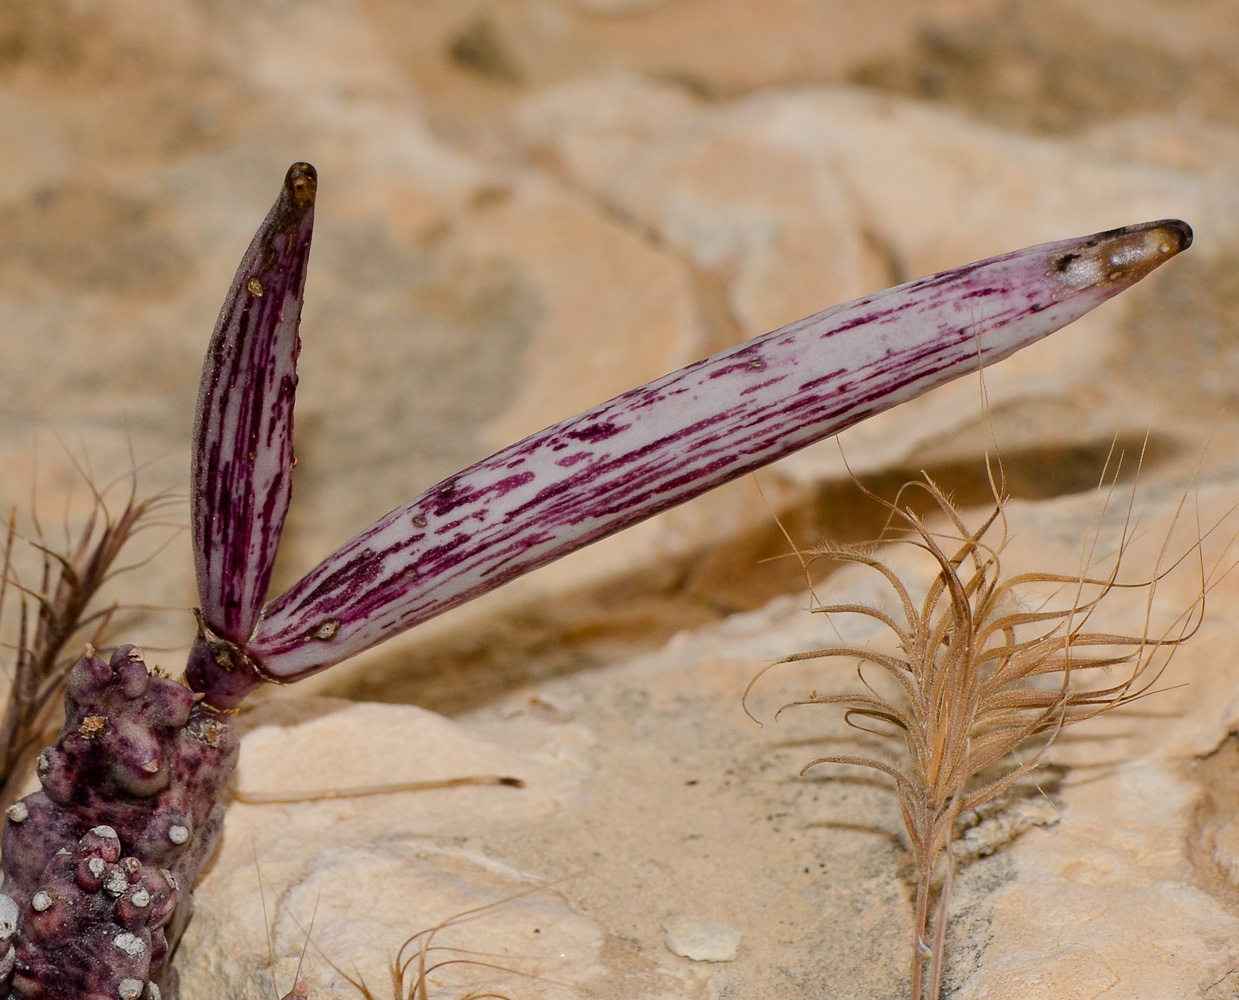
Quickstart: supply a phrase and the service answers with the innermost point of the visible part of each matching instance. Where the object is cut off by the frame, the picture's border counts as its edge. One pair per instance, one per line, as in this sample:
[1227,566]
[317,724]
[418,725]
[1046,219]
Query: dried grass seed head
[984,662]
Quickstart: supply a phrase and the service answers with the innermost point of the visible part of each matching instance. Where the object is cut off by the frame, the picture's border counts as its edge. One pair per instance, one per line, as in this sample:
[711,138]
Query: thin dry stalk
[977,676]
[393,788]
[60,612]
[419,958]
[300,988]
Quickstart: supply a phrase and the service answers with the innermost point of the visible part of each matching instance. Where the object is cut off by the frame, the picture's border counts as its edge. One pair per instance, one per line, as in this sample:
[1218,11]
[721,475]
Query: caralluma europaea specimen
[99,865]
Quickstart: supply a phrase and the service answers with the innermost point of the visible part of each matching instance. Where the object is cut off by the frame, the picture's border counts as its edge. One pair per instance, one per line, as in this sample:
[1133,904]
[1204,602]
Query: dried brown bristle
[977,677]
[414,963]
[62,611]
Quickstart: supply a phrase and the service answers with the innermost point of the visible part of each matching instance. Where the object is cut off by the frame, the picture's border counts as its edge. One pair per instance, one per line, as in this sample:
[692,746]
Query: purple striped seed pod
[603,470]
[243,434]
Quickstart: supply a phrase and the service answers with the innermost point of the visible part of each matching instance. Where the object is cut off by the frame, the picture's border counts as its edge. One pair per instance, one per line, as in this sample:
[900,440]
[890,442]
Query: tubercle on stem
[594,474]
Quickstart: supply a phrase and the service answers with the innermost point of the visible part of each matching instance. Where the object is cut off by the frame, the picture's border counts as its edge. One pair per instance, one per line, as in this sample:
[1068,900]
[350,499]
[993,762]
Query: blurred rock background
[528,206]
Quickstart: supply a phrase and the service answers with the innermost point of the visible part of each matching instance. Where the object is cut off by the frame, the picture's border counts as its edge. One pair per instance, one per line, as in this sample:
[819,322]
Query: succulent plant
[132,787]
[129,813]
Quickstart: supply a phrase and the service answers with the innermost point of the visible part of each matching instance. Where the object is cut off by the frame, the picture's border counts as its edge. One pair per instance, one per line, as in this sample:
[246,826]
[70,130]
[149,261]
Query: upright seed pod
[243,435]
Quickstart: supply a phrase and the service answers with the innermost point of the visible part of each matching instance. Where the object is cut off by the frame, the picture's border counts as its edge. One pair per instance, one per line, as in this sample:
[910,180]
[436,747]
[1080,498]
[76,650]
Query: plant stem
[919,927]
[937,965]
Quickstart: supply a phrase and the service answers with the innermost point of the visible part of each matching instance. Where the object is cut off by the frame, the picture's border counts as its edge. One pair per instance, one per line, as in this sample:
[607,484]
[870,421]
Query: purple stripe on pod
[243,450]
[664,443]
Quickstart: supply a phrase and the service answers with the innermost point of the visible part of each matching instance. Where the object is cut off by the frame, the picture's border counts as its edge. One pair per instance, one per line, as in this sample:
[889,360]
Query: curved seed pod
[679,436]
[243,451]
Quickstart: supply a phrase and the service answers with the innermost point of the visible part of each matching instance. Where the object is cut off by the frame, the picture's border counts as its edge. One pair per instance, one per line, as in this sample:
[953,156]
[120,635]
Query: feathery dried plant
[979,674]
[62,611]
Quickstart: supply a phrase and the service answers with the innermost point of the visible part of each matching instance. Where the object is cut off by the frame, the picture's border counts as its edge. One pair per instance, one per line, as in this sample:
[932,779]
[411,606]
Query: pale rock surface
[1110,901]
[392,864]
[658,819]
[618,8]
[594,339]
[816,195]
[472,59]
[527,206]
[701,940]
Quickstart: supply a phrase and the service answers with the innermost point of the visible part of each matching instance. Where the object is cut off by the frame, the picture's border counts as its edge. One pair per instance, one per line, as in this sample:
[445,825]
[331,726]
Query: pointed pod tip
[1119,258]
[293,213]
[1163,238]
[1181,231]
[301,183]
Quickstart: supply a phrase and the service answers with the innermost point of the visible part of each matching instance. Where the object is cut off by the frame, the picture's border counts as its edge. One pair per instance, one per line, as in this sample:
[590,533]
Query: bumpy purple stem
[99,864]
[684,434]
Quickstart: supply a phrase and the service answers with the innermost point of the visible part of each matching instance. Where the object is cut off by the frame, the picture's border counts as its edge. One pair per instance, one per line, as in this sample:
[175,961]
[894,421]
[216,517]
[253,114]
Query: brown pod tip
[301,183]
[1121,257]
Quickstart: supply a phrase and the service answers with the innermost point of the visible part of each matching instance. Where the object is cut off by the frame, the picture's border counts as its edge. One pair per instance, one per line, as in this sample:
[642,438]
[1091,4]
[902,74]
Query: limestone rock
[392,865]
[822,196]
[619,8]
[652,804]
[701,940]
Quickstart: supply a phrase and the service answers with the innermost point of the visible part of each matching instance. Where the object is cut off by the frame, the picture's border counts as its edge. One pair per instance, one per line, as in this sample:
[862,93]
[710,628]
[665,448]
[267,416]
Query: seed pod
[683,434]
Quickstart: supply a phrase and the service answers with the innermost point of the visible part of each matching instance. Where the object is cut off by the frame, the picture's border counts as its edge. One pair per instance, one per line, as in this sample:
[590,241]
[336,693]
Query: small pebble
[701,940]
